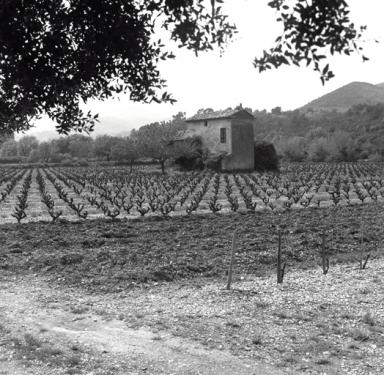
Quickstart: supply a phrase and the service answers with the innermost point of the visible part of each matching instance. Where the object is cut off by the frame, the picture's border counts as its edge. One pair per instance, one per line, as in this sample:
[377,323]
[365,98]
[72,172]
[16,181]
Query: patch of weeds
[49,355]
[14,342]
[121,316]
[293,337]
[73,360]
[357,356]
[3,329]
[323,361]
[337,330]
[347,315]
[261,304]
[353,346]
[323,326]
[73,371]
[290,359]
[318,345]
[304,316]
[101,312]
[365,291]
[160,324]
[257,339]
[32,341]
[324,306]
[359,334]
[51,351]
[282,314]
[31,348]
[233,324]
[368,319]
[79,309]
[27,347]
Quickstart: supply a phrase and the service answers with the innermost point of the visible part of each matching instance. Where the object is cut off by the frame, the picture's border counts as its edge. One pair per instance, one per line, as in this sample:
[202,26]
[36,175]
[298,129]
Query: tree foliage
[125,149]
[8,148]
[154,140]
[26,144]
[326,135]
[102,146]
[311,30]
[56,55]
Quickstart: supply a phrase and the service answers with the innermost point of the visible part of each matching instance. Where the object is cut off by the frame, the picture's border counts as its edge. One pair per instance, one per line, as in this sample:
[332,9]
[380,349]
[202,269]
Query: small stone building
[228,132]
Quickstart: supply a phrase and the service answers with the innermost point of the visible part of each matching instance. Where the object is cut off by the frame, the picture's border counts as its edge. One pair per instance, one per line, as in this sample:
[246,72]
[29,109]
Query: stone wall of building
[239,145]
[242,155]
[210,134]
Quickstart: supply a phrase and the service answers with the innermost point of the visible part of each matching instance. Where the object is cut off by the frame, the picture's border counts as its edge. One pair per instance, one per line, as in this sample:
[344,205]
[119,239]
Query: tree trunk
[162,164]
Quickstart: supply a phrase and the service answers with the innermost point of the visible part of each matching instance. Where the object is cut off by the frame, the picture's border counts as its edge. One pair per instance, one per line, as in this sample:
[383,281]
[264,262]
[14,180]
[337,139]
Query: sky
[214,81]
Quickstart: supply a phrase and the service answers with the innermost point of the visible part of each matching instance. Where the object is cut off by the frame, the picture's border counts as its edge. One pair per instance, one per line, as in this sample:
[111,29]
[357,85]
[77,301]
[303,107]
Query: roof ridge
[226,113]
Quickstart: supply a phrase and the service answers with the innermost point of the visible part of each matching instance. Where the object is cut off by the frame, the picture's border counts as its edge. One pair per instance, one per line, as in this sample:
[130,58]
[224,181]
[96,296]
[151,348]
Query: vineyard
[173,277]
[86,193]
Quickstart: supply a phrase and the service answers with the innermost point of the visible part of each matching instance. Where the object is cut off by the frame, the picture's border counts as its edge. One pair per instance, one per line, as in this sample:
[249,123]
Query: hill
[362,125]
[345,97]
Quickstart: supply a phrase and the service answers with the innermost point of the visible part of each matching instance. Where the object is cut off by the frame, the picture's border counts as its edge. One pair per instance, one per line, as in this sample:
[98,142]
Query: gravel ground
[48,330]
[311,324]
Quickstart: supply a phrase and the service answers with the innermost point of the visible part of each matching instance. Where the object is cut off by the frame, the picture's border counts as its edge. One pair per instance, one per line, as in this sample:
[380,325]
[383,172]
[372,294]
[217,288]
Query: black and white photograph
[191,187]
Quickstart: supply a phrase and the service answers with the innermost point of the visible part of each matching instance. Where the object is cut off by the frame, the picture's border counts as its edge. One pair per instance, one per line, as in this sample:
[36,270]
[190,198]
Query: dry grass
[32,347]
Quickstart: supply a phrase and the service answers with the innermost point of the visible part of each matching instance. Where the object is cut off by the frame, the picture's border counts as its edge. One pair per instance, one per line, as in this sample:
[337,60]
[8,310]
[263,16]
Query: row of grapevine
[81,193]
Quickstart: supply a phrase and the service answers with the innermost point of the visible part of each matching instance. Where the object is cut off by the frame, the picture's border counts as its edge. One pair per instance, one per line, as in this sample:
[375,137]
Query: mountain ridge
[347,96]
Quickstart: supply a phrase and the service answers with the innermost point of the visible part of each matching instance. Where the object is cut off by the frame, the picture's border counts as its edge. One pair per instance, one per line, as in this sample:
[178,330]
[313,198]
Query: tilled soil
[109,255]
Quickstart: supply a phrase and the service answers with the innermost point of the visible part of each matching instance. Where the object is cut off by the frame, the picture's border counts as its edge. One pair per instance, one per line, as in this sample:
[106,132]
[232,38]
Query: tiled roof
[211,115]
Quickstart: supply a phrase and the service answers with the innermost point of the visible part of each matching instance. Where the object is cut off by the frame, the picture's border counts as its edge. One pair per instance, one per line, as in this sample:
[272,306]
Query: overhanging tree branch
[312,29]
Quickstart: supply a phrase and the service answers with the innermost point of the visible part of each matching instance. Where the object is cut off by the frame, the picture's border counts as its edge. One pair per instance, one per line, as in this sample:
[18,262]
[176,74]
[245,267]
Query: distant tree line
[323,135]
[153,142]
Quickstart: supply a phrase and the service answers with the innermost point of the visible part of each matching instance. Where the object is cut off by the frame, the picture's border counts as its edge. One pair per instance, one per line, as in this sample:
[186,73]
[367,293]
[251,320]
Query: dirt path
[54,330]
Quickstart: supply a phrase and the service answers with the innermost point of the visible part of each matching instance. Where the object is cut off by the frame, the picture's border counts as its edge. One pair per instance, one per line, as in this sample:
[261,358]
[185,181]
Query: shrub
[83,162]
[375,157]
[266,156]
[68,163]
[319,149]
[34,156]
[190,163]
[12,159]
[189,153]
[213,161]
[343,147]
[57,157]
[294,149]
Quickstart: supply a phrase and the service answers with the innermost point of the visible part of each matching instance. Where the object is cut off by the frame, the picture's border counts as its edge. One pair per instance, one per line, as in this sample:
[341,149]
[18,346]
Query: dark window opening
[223,135]
[205,123]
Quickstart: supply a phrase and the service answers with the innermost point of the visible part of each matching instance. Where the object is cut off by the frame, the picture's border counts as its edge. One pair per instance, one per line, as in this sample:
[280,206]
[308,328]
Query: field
[146,295]
[88,193]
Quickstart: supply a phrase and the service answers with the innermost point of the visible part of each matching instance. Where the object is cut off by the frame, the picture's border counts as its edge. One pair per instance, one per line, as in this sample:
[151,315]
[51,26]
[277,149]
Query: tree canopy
[56,55]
